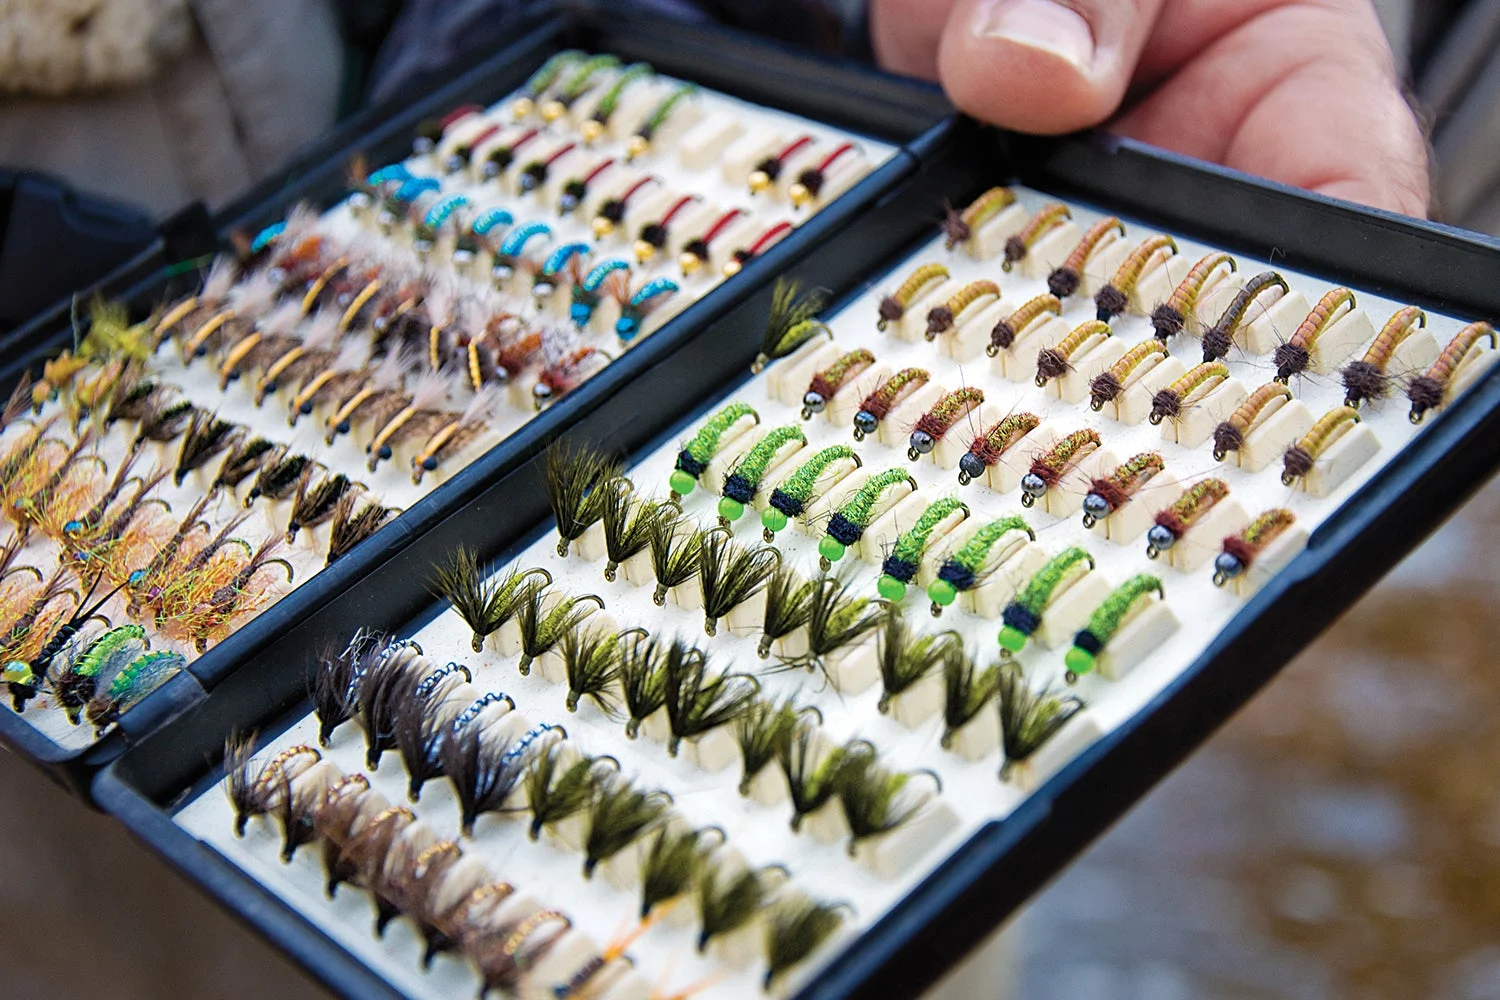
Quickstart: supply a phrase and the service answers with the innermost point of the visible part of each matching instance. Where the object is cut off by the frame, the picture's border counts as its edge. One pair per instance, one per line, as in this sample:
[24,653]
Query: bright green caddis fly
[972,554]
[550,70]
[799,484]
[900,567]
[743,483]
[106,646]
[1025,612]
[579,81]
[1105,622]
[862,504]
[698,452]
[849,523]
[666,107]
[961,570]
[144,675]
[611,98]
[109,653]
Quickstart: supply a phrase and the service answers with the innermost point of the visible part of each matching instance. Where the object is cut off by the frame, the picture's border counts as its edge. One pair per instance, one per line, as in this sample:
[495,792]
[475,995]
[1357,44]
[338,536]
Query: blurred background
[1335,840]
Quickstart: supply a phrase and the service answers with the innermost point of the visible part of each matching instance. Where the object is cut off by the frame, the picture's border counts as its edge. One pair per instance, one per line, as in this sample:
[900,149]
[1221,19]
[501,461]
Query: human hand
[1298,91]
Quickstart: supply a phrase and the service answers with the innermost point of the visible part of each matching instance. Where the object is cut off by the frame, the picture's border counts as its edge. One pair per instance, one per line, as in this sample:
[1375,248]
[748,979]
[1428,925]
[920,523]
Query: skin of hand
[1299,91]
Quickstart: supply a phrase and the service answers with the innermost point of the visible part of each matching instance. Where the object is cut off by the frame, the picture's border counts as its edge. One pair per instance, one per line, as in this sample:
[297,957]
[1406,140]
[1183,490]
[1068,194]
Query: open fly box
[734,720]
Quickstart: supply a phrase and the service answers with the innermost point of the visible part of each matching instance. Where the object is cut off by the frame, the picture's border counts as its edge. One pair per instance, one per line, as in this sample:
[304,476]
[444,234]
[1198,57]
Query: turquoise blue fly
[628,326]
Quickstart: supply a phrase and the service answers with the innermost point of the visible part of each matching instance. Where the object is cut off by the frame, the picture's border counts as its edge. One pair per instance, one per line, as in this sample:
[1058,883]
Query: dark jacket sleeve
[431,34]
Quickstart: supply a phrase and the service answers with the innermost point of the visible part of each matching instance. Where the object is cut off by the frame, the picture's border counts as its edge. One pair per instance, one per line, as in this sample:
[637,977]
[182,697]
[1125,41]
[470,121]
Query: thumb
[1043,66]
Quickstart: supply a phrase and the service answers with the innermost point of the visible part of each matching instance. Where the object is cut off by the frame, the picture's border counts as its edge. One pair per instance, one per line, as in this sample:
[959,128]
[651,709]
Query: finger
[905,34]
[1328,129]
[1044,66]
[1271,96]
[1185,28]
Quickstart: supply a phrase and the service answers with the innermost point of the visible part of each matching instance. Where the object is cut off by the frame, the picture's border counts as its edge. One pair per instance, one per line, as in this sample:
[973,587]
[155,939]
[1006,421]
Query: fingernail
[1045,25]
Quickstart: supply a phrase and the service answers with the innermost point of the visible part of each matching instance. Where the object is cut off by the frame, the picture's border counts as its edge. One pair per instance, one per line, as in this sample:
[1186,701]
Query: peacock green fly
[848,524]
[1108,494]
[934,425]
[693,459]
[900,566]
[1171,524]
[1106,621]
[827,383]
[790,499]
[878,404]
[1023,615]
[987,449]
[743,483]
[1063,457]
[1241,550]
[965,568]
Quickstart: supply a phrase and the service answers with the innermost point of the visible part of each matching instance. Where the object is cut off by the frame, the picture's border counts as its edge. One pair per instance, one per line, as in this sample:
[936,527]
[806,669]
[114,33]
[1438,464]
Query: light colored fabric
[58,47]
[256,80]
